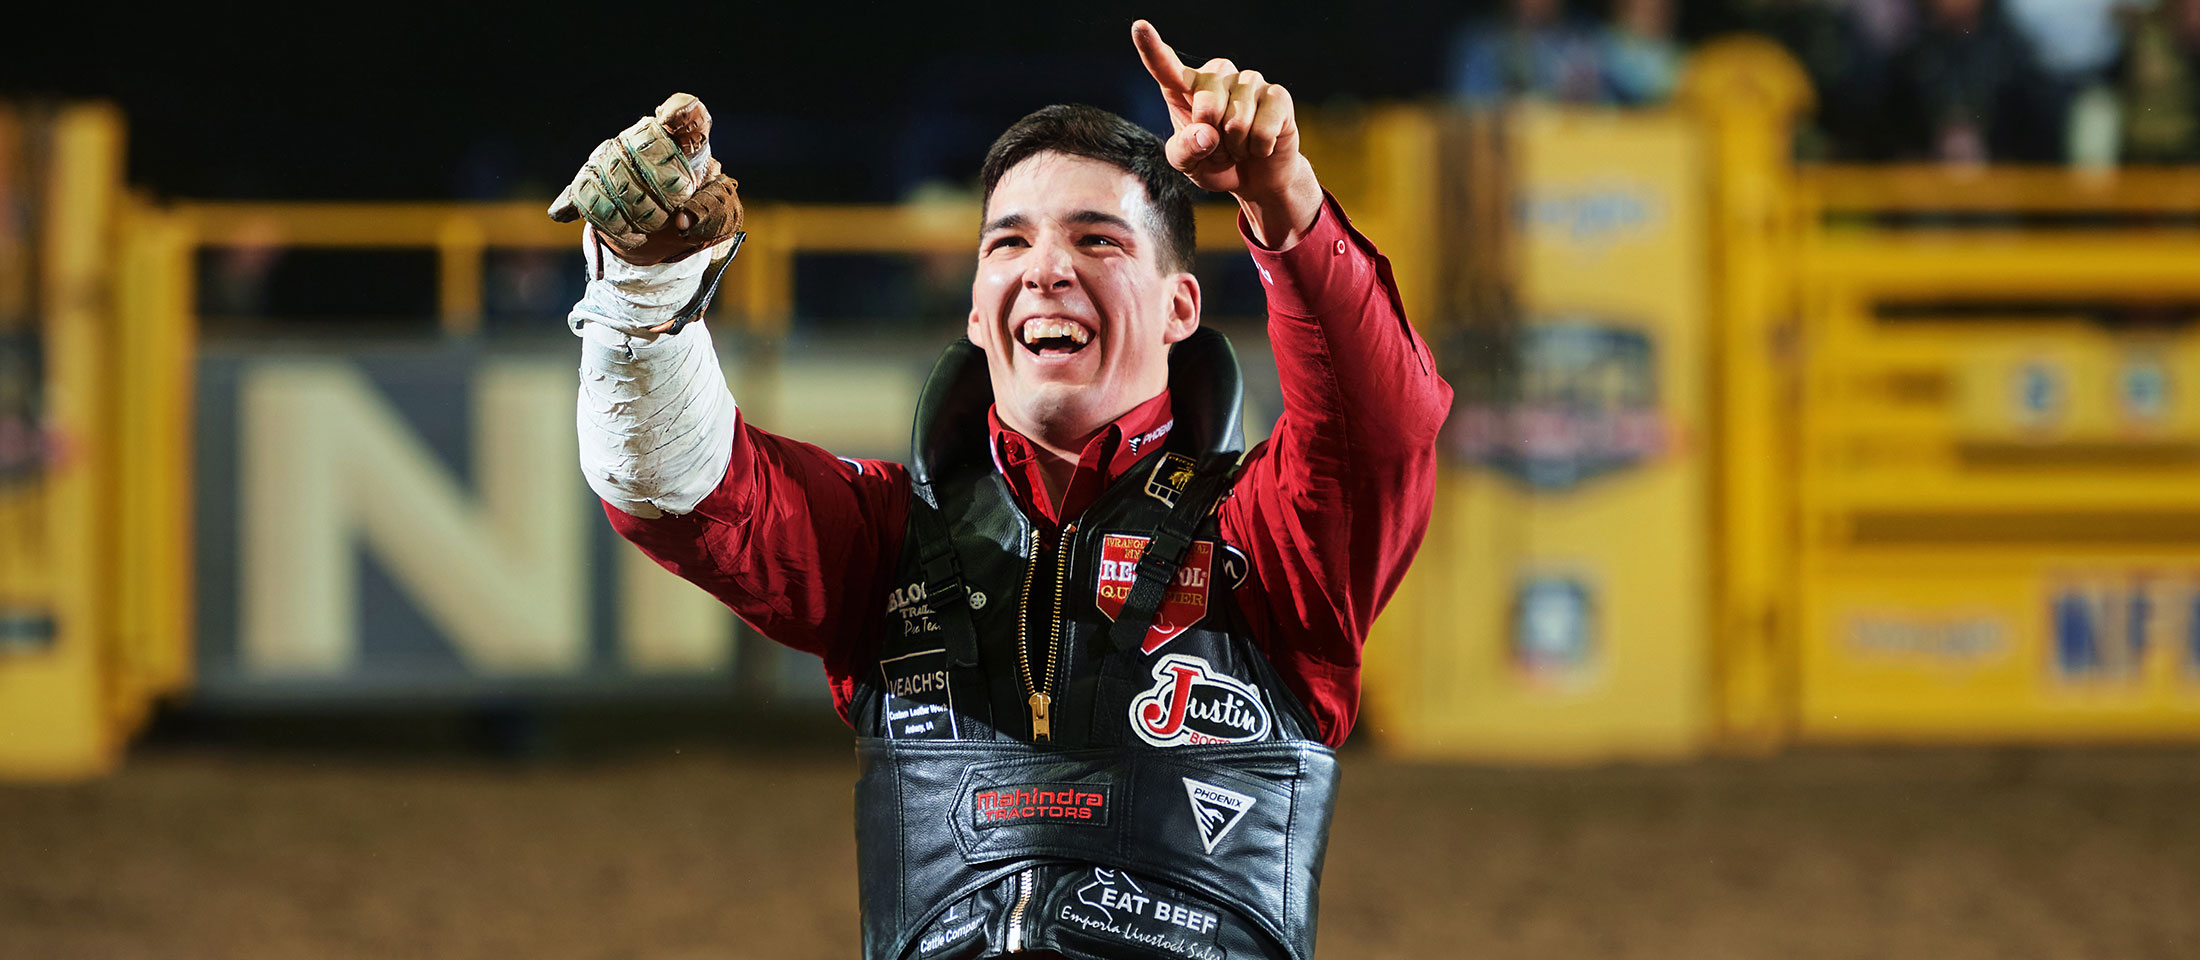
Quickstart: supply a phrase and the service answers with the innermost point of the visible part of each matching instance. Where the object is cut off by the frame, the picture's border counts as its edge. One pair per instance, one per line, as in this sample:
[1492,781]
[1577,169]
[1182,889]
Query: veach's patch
[919,703]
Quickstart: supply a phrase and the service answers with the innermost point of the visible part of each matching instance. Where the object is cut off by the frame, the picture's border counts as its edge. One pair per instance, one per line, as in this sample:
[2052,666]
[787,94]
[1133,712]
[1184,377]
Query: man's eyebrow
[1011,222]
[1091,217]
[1015,221]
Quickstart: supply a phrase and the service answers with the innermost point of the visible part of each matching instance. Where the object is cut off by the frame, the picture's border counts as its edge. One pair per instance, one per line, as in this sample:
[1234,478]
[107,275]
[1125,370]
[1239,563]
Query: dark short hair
[1082,131]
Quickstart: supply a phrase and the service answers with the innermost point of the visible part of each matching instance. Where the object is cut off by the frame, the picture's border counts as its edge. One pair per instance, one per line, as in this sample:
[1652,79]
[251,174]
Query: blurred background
[1815,569]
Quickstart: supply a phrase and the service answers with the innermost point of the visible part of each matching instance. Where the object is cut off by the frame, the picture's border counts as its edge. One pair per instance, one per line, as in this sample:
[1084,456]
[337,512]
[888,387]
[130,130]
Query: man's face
[1070,303]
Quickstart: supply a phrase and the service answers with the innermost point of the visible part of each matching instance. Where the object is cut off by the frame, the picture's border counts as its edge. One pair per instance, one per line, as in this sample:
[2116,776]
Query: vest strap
[1170,542]
[1119,672]
[944,586]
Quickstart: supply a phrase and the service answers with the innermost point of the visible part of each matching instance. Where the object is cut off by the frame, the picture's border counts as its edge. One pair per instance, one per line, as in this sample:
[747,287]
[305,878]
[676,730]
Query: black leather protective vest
[1069,741]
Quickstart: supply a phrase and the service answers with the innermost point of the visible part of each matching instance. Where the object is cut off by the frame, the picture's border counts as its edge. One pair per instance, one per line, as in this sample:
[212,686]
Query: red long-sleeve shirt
[1330,509]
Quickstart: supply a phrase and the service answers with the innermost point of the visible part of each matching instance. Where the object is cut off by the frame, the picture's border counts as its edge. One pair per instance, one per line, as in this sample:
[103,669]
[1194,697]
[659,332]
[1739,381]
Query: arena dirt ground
[197,852]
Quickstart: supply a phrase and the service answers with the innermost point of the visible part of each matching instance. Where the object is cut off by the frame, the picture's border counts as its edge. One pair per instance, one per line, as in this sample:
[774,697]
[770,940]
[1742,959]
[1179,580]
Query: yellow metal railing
[759,288]
[1948,519]
[1897,189]
[1383,164]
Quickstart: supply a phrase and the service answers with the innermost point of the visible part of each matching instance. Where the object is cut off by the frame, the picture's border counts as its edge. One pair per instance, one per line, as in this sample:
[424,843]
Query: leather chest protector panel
[1243,825]
[1177,773]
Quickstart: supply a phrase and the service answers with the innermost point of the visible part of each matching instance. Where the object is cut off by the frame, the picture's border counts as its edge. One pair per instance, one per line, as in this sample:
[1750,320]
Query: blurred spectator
[1968,89]
[1886,25]
[1846,61]
[1535,53]
[2076,40]
[2160,84]
[239,282]
[1640,59]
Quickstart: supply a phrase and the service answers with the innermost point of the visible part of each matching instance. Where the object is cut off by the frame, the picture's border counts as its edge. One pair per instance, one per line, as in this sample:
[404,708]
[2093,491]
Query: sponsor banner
[1191,702]
[2077,652]
[1182,604]
[1557,611]
[1952,639]
[1571,398]
[1554,630]
[405,522]
[2118,629]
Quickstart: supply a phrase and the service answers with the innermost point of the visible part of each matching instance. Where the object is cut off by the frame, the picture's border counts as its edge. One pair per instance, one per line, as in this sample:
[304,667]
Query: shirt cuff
[1332,256]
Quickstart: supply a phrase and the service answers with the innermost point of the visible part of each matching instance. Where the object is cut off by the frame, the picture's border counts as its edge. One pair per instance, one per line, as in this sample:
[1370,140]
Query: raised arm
[1333,507]
[781,531]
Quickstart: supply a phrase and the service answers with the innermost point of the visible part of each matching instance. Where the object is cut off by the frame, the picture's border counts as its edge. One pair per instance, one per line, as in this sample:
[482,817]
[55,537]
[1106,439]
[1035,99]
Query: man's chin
[1061,409]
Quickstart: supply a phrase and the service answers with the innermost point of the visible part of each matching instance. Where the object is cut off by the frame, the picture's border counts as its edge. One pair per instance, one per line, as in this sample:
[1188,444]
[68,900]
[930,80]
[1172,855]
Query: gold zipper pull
[1041,727]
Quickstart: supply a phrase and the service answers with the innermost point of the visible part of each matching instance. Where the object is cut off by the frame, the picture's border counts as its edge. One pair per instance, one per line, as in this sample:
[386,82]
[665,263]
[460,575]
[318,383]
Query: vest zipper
[1016,913]
[1054,628]
[1041,689]
[1041,724]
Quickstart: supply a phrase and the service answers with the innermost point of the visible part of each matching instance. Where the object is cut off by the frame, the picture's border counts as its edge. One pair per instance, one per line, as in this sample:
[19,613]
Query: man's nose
[1050,269]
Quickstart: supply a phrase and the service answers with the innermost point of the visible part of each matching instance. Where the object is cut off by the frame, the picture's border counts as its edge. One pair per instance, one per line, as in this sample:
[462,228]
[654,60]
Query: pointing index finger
[1160,59]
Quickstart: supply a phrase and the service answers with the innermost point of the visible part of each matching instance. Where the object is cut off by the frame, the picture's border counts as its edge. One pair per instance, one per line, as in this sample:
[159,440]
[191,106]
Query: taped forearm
[655,419]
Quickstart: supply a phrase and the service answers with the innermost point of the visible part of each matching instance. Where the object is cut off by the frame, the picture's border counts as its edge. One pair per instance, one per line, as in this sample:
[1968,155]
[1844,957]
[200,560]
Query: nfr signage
[404,521]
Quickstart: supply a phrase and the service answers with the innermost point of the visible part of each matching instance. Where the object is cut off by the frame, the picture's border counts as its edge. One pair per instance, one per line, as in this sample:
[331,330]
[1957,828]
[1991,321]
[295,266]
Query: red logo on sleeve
[1182,604]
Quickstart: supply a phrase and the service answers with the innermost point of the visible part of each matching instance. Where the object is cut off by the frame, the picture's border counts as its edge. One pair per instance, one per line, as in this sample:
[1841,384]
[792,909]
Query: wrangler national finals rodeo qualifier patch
[1183,604]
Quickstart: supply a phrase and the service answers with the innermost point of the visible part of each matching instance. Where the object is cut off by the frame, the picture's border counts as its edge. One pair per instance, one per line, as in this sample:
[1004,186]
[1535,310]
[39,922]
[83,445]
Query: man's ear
[977,323]
[1183,307]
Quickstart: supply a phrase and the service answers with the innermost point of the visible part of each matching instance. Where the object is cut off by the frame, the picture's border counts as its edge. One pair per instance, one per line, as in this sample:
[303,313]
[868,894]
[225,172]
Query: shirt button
[1340,248]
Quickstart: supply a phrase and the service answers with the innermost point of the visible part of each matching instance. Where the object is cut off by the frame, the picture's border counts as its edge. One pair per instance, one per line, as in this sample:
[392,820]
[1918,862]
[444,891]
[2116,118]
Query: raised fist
[653,193]
[1235,131]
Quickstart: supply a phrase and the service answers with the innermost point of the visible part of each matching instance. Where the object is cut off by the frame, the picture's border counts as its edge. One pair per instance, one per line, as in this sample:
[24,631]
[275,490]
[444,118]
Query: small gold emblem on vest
[1169,478]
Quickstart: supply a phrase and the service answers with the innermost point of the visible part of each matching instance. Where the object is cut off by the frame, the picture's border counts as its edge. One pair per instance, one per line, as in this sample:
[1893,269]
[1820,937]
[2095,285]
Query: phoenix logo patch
[1190,702]
[1217,810]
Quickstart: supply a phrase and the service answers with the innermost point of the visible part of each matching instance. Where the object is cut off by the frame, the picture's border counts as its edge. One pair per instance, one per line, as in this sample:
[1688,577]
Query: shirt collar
[1106,456]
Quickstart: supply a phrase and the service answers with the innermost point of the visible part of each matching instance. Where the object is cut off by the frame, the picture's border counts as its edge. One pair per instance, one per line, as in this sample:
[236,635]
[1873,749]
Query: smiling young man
[1095,653]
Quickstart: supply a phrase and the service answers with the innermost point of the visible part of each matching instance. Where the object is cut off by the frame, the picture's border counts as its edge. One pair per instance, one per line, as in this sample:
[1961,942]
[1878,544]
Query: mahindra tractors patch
[1042,803]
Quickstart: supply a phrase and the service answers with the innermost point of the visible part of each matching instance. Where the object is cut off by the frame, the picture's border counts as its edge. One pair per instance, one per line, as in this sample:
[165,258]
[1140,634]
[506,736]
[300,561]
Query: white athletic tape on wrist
[653,413]
[631,299]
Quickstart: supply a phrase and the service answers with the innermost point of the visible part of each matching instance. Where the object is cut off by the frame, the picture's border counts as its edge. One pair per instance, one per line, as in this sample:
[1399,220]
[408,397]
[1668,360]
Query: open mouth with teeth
[1049,337]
